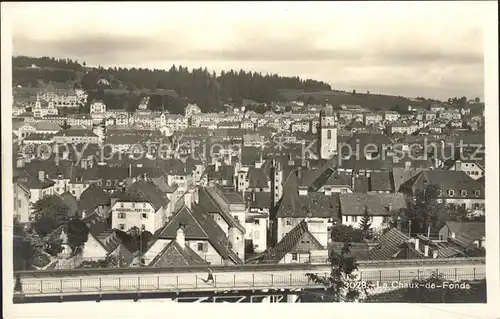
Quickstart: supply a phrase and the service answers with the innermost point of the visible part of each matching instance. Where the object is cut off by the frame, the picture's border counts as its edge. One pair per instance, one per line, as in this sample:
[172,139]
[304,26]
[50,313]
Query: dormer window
[463,192]
[108,183]
[477,193]
[451,192]
[440,193]
[99,183]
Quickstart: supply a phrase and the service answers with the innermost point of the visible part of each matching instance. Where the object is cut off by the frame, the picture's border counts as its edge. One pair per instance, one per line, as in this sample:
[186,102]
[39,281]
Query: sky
[412,49]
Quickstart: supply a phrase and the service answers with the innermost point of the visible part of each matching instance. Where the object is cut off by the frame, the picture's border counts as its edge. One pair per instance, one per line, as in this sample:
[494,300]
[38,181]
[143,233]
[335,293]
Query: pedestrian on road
[210,278]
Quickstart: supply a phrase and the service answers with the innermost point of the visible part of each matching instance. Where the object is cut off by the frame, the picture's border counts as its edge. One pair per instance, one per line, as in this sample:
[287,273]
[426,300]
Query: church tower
[328,132]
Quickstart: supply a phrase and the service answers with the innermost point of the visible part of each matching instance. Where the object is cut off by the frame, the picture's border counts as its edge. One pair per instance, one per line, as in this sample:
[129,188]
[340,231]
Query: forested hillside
[123,87]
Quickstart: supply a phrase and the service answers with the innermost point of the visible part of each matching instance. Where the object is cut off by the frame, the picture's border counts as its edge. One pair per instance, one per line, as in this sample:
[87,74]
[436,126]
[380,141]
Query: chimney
[217,165]
[299,174]
[407,165]
[417,244]
[180,238]
[458,165]
[353,180]
[253,196]
[41,175]
[426,250]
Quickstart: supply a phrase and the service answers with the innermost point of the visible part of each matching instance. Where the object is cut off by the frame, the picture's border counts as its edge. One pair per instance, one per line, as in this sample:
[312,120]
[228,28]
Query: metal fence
[222,281]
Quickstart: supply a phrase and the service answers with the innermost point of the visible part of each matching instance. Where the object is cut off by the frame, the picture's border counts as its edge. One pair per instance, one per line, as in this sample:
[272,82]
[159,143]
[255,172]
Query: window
[477,193]
[121,226]
[19,203]
[200,246]
[347,219]
[122,215]
[99,183]
[144,216]
[121,205]
[463,192]
[294,257]
[451,192]
[288,222]
[256,222]
[57,189]
[144,205]
[329,134]
[440,193]
[143,227]
[73,192]
[108,182]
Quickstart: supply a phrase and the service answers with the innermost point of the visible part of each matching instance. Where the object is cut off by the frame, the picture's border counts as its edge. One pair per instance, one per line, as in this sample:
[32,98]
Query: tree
[342,284]
[139,238]
[49,213]
[78,234]
[477,100]
[426,213]
[366,225]
[353,92]
[341,233]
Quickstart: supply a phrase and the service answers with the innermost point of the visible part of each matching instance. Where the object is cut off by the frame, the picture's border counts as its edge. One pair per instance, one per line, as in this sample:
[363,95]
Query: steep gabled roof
[199,225]
[289,243]
[175,255]
[93,197]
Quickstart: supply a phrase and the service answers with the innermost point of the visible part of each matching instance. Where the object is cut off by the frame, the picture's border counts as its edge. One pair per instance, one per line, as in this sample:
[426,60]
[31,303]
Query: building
[391,116]
[475,169]
[297,246]
[43,108]
[201,233]
[379,208]
[98,110]
[319,211]
[455,187]
[21,203]
[142,205]
[76,136]
[466,234]
[328,133]
[372,119]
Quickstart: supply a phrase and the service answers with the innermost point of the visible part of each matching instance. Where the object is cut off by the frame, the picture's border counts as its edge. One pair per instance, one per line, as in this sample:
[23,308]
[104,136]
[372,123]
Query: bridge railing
[312,265]
[188,282]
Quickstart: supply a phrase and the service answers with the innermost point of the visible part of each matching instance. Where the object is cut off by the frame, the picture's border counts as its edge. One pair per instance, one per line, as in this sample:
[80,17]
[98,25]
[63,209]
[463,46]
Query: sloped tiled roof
[293,205]
[446,180]
[289,243]
[175,255]
[145,191]
[199,225]
[379,204]
[93,197]
[96,223]
[381,181]
[400,176]
[390,244]
[257,178]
